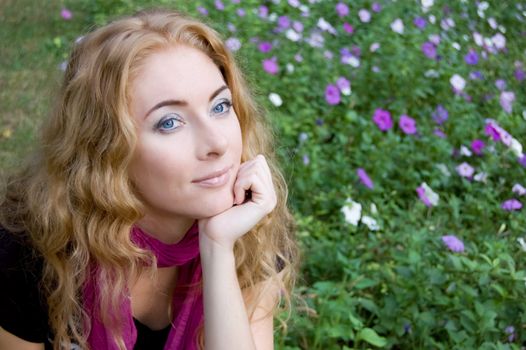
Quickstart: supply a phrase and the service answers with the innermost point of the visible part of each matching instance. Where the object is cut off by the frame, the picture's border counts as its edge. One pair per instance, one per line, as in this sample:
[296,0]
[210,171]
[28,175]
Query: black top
[23,308]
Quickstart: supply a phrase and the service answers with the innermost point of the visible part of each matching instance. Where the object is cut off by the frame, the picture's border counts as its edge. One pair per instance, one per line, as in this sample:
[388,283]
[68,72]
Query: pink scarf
[187,305]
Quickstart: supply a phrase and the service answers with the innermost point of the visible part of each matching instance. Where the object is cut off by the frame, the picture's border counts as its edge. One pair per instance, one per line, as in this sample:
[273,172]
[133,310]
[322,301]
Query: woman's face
[189,138]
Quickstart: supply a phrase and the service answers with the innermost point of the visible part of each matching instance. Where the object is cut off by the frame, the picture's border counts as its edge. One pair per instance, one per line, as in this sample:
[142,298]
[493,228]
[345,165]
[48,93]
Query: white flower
[352,212]
[432,19]
[434,38]
[292,35]
[522,243]
[431,73]
[430,194]
[370,223]
[480,177]
[352,61]
[492,22]
[483,6]
[398,26]
[502,29]
[427,3]
[516,148]
[326,26]
[479,40]
[524,114]
[365,16]
[233,44]
[374,47]
[443,169]
[275,99]
[499,41]
[272,17]
[465,151]
[458,82]
[290,67]
[374,210]
[517,188]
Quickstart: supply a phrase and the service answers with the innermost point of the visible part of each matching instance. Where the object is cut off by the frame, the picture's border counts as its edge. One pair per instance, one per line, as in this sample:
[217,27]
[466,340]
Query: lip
[215,179]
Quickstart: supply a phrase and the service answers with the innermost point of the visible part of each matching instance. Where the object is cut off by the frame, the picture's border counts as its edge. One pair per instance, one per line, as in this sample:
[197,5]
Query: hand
[225,228]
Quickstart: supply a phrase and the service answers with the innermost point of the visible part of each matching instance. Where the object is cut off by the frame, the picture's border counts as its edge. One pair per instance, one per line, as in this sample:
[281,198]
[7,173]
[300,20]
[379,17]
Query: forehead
[177,72]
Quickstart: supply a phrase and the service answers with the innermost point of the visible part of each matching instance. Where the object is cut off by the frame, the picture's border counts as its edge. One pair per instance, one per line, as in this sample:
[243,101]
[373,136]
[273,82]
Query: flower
[364,178]
[500,84]
[457,82]
[219,5]
[344,85]
[519,74]
[518,189]
[202,10]
[440,115]
[499,41]
[453,243]
[275,99]
[265,46]
[332,94]
[522,160]
[420,22]
[477,146]
[66,14]
[490,130]
[429,49]
[510,330]
[233,44]
[382,119]
[283,22]
[370,223]
[465,151]
[398,26]
[292,35]
[465,170]
[511,205]
[342,10]
[506,100]
[407,124]
[376,7]
[271,65]
[241,12]
[352,212]
[427,195]
[471,57]
[365,16]
[348,28]
[439,133]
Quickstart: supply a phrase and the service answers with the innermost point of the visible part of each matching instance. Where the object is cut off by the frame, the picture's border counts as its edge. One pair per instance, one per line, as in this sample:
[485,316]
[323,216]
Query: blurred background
[400,127]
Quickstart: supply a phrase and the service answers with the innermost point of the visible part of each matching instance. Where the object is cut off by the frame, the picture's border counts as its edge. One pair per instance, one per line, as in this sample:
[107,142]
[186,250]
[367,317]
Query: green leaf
[370,336]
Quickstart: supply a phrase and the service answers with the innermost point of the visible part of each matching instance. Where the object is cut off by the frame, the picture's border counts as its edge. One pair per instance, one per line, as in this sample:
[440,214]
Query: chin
[215,207]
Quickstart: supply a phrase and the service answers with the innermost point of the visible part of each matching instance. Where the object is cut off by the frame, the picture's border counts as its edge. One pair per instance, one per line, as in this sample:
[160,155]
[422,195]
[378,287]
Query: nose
[211,140]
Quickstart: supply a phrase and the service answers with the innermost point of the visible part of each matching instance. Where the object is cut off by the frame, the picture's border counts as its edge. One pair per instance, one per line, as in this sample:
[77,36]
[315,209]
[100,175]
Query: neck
[168,230]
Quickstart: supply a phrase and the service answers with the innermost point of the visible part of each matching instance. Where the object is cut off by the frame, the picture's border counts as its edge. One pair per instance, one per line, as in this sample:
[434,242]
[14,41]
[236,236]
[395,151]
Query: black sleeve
[22,307]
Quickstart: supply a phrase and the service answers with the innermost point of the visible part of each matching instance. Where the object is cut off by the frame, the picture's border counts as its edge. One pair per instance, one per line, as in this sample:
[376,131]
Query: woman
[153,215]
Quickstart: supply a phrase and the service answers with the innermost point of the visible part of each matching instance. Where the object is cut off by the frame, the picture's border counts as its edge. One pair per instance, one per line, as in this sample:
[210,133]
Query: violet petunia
[453,243]
[382,119]
[270,65]
[342,9]
[511,205]
[364,178]
[407,124]
[66,14]
[332,94]
[465,170]
[429,50]
[477,146]
[440,115]
[471,57]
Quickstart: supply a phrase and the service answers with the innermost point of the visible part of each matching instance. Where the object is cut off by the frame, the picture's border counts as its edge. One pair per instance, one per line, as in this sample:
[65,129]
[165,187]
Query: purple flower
[420,22]
[453,243]
[348,28]
[420,190]
[382,119]
[439,133]
[265,46]
[476,75]
[297,26]
[511,205]
[342,9]
[465,170]
[440,115]
[263,11]
[510,330]
[506,101]
[471,57]
[306,159]
[332,94]
[271,65]
[429,49]
[365,16]
[233,44]
[477,146]
[376,7]
[283,22]
[500,84]
[66,14]
[219,5]
[522,160]
[490,130]
[520,75]
[241,12]
[364,178]
[407,124]
[202,10]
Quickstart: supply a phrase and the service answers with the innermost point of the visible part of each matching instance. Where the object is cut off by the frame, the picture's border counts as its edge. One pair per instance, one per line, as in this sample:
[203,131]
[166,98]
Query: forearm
[226,322]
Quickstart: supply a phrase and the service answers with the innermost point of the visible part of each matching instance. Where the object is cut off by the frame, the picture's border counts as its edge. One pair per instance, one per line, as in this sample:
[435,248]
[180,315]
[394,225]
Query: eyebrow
[182,102]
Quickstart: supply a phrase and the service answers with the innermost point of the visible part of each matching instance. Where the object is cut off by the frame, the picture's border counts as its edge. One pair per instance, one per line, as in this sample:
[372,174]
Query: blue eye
[169,124]
[222,107]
